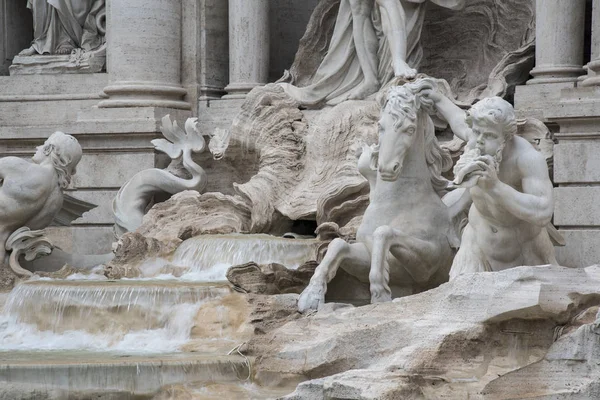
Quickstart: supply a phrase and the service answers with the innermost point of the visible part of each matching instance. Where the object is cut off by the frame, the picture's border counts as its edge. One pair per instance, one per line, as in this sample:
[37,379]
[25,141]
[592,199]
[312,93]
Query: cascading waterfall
[126,316]
[88,333]
[207,257]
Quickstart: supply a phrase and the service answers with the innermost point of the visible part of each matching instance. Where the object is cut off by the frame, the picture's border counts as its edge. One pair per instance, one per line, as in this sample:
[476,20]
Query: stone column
[559,41]
[144,54]
[248,46]
[593,77]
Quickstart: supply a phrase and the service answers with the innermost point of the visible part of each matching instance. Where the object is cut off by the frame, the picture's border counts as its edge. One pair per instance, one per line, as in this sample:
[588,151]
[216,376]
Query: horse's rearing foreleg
[410,251]
[338,250]
[379,276]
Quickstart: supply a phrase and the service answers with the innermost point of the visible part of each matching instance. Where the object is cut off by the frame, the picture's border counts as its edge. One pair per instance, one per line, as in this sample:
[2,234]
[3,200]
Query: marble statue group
[410,211]
[409,232]
[412,233]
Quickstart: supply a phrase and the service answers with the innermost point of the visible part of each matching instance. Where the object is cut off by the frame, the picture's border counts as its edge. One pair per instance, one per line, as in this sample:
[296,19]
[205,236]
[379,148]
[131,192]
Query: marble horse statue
[407,237]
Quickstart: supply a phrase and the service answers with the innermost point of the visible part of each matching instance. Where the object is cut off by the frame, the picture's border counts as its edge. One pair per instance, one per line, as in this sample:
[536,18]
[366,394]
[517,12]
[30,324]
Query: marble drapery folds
[340,71]
[63,25]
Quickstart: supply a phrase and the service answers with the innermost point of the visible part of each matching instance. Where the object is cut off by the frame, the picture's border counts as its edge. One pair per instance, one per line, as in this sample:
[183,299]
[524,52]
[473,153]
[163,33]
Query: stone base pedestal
[78,62]
[532,100]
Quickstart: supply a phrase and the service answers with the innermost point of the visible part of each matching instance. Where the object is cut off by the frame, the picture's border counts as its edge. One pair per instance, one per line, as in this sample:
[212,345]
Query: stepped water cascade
[207,258]
[130,337]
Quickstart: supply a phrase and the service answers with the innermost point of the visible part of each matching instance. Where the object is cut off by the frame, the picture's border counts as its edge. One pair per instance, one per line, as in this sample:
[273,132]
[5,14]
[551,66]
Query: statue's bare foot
[28,52]
[62,50]
[364,90]
[403,71]
[380,296]
[311,297]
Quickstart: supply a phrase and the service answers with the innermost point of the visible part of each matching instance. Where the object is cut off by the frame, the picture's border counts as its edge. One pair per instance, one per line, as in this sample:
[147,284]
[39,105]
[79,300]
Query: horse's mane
[406,102]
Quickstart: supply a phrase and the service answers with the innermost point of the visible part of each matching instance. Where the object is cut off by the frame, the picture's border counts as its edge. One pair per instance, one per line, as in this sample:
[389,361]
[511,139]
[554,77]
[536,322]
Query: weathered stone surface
[271,312]
[189,214]
[571,201]
[582,246]
[239,317]
[270,278]
[307,159]
[447,343]
[577,162]
[570,370]
[133,249]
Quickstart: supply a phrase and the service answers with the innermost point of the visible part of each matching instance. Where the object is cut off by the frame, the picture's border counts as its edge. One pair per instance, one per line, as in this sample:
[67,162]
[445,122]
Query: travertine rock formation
[307,160]
[303,173]
[447,343]
[189,214]
[131,251]
[570,369]
[270,278]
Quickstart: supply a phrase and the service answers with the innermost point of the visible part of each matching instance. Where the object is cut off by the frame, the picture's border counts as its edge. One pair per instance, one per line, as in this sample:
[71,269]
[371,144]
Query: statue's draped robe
[340,70]
[66,24]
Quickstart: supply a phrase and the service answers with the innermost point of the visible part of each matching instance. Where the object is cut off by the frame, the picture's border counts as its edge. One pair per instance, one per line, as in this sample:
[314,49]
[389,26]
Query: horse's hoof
[311,298]
[381,297]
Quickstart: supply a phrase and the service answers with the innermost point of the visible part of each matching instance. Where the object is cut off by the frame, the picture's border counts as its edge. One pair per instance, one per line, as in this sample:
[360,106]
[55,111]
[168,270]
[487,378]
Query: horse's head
[399,125]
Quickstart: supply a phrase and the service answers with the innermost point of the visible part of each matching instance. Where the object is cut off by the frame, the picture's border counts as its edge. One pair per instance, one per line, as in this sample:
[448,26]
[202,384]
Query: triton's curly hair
[496,111]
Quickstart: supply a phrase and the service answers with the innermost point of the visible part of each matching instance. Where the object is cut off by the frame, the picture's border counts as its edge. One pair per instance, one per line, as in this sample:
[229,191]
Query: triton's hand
[488,177]
[434,95]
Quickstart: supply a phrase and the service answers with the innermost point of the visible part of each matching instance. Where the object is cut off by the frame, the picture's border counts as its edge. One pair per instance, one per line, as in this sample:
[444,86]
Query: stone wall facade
[567,98]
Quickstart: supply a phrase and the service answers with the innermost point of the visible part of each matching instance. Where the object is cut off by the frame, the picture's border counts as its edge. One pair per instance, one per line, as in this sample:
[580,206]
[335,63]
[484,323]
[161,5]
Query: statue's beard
[498,156]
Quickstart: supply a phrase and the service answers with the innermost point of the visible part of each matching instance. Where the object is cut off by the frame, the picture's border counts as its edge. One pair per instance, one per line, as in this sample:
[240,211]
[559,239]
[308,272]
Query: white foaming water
[154,314]
[125,317]
[179,320]
[208,257]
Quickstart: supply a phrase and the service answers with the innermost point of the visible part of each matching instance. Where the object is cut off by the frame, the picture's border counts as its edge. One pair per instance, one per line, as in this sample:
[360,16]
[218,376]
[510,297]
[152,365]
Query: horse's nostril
[396,167]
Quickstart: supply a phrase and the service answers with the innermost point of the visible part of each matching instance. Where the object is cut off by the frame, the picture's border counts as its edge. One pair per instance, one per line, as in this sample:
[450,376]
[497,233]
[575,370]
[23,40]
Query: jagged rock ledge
[460,340]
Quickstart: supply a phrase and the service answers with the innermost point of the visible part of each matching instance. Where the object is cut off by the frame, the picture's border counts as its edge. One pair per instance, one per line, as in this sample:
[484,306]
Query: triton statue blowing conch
[507,180]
